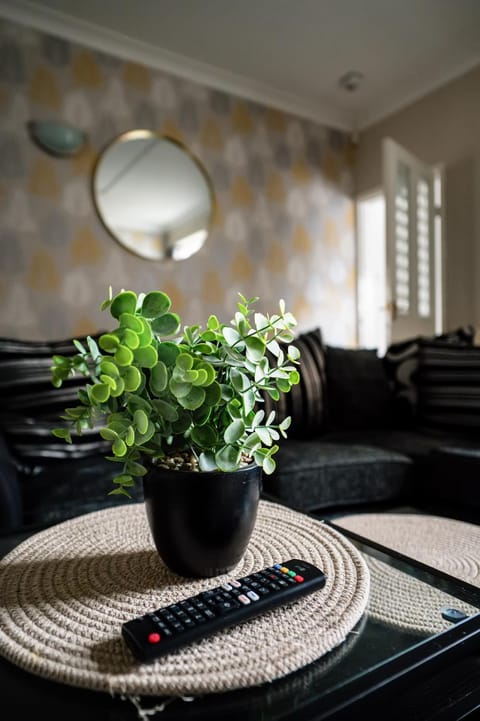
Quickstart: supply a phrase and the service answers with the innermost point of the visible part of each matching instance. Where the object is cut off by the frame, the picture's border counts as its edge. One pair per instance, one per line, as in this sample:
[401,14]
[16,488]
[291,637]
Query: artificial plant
[159,390]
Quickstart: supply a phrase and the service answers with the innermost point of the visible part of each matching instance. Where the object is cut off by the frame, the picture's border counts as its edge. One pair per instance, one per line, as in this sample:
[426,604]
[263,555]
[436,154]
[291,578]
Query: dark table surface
[378,670]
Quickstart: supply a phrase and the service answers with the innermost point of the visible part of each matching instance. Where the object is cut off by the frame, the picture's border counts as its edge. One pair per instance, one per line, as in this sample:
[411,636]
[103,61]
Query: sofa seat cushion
[414,444]
[453,478]
[315,474]
[56,490]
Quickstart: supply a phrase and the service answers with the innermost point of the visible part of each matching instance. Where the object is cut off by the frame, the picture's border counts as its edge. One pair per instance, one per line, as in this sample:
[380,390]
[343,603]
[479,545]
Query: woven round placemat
[66,591]
[401,600]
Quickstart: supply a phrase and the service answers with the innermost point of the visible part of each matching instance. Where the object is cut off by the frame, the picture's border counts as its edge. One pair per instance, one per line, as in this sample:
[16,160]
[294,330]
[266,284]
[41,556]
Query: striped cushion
[402,363]
[30,407]
[449,387]
[304,402]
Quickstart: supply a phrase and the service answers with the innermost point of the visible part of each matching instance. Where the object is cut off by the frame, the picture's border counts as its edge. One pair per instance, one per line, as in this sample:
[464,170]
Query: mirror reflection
[153,196]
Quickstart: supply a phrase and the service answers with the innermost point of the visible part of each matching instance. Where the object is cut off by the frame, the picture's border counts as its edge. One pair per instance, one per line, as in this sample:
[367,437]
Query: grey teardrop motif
[56,50]
[11,161]
[282,156]
[188,117]
[145,116]
[256,173]
[54,231]
[220,102]
[12,68]
[13,256]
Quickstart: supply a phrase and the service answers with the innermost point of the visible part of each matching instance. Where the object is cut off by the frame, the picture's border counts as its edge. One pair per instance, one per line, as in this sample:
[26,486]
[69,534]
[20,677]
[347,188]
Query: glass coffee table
[386,668]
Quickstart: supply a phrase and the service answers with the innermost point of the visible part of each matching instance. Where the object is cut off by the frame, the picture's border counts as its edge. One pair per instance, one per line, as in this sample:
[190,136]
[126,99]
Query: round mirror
[153,196]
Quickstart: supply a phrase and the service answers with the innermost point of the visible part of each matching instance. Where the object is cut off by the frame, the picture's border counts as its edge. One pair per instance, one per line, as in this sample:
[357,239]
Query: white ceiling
[285,53]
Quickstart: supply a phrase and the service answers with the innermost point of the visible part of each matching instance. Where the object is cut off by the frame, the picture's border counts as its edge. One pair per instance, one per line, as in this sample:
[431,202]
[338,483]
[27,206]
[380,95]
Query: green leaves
[155,304]
[166,325]
[124,302]
[63,433]
[234,431]
[202,390]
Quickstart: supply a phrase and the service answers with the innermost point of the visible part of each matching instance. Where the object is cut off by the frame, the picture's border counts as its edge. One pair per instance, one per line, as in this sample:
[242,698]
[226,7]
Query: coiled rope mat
[446,544]
[66,591]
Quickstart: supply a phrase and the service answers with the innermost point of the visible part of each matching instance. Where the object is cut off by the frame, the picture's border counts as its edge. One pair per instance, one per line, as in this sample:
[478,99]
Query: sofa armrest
[10,496]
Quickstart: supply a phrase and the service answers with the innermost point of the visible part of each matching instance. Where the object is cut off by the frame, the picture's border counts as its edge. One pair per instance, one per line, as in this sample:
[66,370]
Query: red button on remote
[299,579]
[153,638]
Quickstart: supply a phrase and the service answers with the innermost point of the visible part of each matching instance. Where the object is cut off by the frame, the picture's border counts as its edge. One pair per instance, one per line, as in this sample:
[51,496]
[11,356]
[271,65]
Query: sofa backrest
[30,406]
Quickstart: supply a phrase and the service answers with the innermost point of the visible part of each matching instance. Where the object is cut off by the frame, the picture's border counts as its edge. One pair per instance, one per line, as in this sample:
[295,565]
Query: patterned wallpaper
[283,224]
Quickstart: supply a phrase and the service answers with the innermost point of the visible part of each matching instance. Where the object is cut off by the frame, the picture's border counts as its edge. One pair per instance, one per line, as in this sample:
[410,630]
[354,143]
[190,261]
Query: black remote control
[171,627]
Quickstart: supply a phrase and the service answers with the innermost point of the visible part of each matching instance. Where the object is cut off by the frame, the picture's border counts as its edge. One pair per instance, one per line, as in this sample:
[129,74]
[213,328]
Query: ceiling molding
[382,110]
[87,34]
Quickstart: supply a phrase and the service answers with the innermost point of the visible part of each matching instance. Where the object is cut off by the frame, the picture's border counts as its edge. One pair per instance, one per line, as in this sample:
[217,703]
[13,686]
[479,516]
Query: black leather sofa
[366,431]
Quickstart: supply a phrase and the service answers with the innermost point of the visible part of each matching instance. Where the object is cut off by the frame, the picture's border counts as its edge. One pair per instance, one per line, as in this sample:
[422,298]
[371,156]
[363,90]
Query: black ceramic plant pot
[201,522]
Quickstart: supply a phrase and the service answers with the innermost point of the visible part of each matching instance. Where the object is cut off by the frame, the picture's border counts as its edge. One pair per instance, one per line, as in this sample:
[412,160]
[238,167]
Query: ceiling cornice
[108,41]
[389,105]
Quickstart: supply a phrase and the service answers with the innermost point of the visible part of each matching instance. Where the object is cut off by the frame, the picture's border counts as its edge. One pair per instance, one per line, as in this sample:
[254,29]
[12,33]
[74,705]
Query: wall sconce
[57,138]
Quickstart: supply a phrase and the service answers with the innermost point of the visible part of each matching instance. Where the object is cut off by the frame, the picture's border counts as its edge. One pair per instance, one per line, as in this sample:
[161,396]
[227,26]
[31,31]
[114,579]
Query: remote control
[171,627]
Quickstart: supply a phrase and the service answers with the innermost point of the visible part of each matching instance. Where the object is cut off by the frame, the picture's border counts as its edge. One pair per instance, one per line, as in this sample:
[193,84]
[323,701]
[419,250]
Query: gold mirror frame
[145,134]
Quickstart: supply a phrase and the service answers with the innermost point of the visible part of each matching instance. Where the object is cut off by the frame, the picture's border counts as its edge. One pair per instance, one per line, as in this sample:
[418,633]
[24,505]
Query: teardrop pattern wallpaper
[283,222]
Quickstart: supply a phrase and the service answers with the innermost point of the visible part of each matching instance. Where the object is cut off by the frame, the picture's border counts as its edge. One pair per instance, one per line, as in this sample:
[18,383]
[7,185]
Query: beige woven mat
[449,545]
[66,591]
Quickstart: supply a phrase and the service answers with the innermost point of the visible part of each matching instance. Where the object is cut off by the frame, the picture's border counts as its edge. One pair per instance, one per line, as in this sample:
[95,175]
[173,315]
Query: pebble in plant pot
[183,412]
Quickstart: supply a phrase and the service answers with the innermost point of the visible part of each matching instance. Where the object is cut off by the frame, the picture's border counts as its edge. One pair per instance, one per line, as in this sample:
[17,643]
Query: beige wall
[443,127]
[283,224]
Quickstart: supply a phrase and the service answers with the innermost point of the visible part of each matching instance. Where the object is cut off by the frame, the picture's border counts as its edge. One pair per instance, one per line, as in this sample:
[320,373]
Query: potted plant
[183,412]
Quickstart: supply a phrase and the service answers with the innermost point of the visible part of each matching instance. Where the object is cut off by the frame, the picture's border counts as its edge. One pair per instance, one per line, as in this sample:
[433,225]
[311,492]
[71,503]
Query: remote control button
[153,638]
[243,599]
[181,615]
[236,584]
[253,596]
[283,569]
[227,587]
[292,573]
[226,606]
[298,579]
[278,565]
[263,591]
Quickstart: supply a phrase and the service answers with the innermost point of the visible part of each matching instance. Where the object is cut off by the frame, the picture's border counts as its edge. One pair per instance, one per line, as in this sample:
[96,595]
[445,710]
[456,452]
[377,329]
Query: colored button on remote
[153,637]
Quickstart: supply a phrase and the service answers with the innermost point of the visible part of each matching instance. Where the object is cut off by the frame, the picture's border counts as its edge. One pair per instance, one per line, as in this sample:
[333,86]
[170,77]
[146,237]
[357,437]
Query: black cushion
[448,382]
[401,364]
[30,406]
[305,402]
[358,391]
[315,474]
